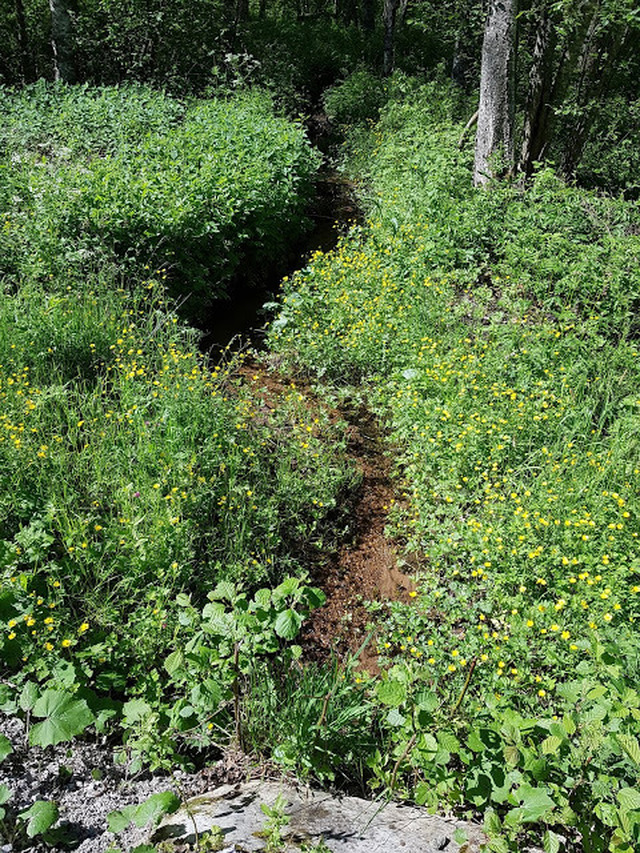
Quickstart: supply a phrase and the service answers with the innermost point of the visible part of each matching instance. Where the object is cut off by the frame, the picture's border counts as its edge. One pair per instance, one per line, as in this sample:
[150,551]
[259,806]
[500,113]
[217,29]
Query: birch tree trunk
[389,16]
[494,138]
[62,42]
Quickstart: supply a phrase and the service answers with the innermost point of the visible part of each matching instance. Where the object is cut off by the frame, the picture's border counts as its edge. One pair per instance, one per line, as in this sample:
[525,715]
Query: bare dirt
[364,568]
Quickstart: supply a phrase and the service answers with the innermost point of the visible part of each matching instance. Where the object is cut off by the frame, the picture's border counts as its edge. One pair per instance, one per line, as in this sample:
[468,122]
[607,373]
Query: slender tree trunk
[389,17]
[26,57]
[538,113]
[494,138]
[367,13]
[64,68]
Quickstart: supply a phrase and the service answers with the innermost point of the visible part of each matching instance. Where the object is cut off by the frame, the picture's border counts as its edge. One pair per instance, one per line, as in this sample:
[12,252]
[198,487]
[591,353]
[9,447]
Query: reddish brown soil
[364,568]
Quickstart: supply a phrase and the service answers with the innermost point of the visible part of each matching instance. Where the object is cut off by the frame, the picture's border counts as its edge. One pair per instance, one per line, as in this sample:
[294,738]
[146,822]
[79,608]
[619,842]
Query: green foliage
[39,818]
[276,821]
[496,333]
[64,718]
[136,178]
[149,812]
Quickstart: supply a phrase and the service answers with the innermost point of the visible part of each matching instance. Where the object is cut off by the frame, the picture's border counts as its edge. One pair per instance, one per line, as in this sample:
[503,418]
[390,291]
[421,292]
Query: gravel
[86,784]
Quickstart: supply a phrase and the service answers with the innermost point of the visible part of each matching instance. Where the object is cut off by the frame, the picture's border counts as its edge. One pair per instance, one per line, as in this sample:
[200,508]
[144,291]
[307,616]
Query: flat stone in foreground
[344,824]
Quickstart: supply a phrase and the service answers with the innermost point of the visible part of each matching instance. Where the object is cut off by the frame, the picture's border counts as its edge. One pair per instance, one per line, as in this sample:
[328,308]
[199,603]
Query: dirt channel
[364,567]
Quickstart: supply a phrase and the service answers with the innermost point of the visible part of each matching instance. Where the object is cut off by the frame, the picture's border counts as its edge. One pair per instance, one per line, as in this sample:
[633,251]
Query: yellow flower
[84,627]
[65,644]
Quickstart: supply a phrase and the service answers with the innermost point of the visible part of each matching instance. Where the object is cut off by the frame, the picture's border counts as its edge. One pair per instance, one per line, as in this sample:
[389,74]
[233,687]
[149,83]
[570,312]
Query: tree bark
[367,12]
[494,138]
[389,17]
[538,112]
[64,68]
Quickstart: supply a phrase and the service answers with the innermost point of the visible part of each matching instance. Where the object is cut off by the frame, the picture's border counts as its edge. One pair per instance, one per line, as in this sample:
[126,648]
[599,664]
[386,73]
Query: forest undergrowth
[156,507]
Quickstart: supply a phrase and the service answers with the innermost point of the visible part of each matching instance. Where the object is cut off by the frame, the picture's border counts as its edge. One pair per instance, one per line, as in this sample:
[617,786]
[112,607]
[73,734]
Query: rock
[345,824]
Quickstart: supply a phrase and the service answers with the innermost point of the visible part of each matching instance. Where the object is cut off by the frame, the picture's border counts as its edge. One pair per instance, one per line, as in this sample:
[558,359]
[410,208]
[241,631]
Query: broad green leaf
[135,710]
[629,744]
[5,794]
[28,696]
[629,798]
[551,842]
[40,817]
[287,587]
[551,744]
[118,821]
[395,718]
[155,807]
[287,624]
[224,590]
[5,747]
[65,717]
[174,662]
[391,692]
[536,802]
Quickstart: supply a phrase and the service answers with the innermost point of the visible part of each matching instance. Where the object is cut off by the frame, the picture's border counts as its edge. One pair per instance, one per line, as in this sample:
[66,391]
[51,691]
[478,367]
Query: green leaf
[135,710]
[155,807]
[395,718]
[40,817]
[460,835]
[551,842]
[5,747]
[5,794]
[391,692]
[118,821]
[630,746]
[629,798]
[288,586]
[65,716]
[288,624]
[536,802]
[174,662]
[551,744]
[28,696]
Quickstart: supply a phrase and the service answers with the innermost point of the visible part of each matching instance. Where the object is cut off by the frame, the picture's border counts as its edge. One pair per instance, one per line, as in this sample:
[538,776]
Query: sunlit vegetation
[503,354]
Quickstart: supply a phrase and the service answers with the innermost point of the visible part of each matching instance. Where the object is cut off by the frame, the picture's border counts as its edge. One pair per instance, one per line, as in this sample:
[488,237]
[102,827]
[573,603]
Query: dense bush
[135,476]
[199,189]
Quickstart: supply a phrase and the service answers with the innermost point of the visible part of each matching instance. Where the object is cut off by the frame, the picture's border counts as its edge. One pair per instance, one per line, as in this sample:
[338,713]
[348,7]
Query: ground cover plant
[496,332]
[133,176]
[154,505]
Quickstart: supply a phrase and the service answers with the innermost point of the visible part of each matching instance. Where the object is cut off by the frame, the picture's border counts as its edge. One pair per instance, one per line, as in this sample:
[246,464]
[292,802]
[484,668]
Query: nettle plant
[201,692]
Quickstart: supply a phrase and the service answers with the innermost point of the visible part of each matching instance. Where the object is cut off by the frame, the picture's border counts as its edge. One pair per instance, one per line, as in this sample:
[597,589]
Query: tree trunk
[494,139]
[64,68]
[26,57]
[538,112]
[389,17]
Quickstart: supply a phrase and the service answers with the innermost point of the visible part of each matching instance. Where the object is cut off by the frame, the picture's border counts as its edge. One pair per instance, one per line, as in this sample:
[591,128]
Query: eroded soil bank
[363,566]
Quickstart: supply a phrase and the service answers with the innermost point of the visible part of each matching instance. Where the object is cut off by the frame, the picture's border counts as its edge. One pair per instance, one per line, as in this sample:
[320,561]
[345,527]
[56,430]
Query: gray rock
[345,824]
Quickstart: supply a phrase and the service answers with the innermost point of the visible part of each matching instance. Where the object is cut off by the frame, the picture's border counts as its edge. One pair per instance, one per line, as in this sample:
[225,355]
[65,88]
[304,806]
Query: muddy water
[241,318]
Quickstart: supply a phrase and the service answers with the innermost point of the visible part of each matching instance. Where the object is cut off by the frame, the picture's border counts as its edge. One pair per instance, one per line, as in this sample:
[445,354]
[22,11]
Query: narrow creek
[364,567]
[241,317]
